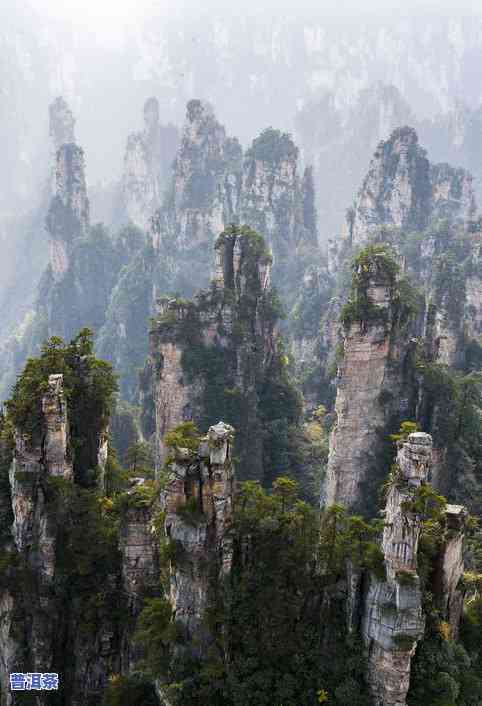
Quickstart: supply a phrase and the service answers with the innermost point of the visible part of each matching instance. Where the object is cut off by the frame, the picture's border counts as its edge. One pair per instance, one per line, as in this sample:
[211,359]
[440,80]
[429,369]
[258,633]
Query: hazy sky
[113,15]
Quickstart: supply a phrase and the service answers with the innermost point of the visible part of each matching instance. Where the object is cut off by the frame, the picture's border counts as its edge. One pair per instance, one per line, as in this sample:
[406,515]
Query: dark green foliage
[132,690]
[376,263]
[442,675]
[139,459]
[124,427]
[185,436]
[235,382]
[450,410]
[89,387]
[278,625]
[273,146]
[6,457]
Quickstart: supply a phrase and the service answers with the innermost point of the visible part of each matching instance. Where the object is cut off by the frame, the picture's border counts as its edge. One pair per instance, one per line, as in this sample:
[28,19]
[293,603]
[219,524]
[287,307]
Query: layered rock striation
[374,386]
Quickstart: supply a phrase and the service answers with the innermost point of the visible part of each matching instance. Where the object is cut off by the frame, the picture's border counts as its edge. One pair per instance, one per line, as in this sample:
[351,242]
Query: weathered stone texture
[393,620]
[404,190]
[202,539]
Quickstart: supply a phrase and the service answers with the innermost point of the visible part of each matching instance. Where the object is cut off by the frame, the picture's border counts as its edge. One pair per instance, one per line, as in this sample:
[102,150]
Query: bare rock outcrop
[393,619]
[371,388]
[198,505]
[404,190]
[68,218]
[233,324]
[206,183]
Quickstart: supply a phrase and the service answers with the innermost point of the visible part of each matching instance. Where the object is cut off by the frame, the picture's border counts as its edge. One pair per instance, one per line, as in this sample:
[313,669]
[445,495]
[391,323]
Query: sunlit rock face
[147,164]
[371,388]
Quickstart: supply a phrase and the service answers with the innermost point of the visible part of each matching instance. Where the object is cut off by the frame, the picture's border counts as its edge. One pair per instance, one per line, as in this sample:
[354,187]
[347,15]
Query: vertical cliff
[59,575]
[68,216]
[205,185]
[218,355]
[147,165]
[62,123]
[374,379]
[277,202]
[393,619]
[198,504]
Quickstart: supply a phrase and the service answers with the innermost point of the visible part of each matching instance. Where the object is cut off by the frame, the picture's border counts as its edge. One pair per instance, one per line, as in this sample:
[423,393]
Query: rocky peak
[242,262]
[275,202]
[62,123]
[68,218]
[206,180]
[210,356]
[37,459]
[396,189]
[404,190]
[147,163]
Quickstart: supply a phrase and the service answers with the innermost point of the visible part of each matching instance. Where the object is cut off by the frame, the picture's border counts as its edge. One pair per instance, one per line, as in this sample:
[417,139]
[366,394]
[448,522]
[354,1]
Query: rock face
[213,353]
[342,143]
[68,216]
[371,389]
[450,568]
[35,619]
[147,162]
[34,534]
[198,505]
[403,189]
[275,202]
[206,182]
[393,620]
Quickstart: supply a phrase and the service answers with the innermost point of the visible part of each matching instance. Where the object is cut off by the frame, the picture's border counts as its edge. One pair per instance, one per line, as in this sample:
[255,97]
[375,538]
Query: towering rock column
[198,505]
[232,323]
[277,203]
[147,164]
[404,190]
[369,390]
[393,620]
[62,123]
[68,217]
[206,181]
[34,534]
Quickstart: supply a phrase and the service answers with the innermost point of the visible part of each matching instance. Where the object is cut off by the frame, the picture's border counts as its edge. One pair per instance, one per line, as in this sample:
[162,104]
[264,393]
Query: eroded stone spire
[393,619]
[62,123]
[198,505]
